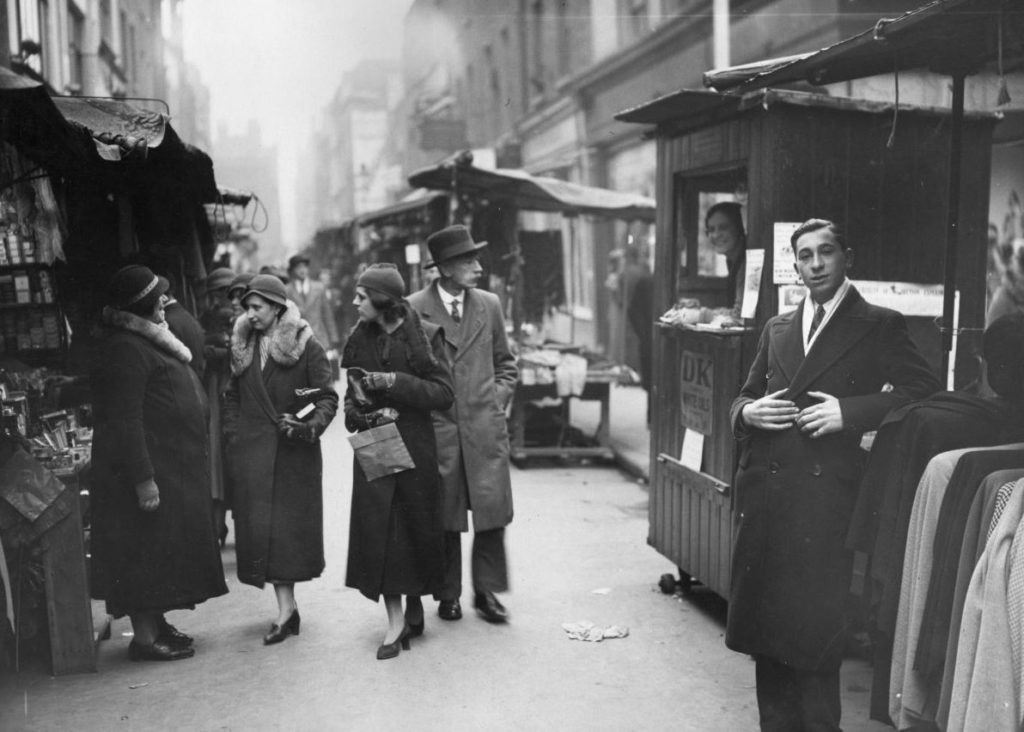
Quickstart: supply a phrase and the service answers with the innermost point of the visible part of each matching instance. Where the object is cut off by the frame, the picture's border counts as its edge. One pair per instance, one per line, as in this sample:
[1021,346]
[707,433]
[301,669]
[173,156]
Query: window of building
[29,33]
[76,44]
[537,81]
[634,20]
[107,23]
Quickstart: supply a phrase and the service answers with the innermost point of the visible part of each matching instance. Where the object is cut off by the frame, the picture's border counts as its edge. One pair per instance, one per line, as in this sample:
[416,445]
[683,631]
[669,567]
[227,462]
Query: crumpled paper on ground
[584,630]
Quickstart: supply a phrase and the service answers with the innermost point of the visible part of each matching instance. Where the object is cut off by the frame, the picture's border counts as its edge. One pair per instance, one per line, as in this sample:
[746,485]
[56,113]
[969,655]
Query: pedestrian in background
[472,435]
[236,289]
[313,301]
[274,456]
[217,320]
[396,532]
[153,544]
[818,382]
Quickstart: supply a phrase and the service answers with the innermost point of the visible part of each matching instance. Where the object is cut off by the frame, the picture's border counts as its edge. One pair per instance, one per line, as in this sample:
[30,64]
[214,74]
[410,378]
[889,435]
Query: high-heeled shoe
[390,650]
[279,632]
[415,629]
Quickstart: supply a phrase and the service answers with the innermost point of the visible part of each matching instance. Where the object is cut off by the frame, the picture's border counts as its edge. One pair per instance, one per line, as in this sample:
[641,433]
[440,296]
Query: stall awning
[531,192]
[419,199]
[98,137]
[945,36]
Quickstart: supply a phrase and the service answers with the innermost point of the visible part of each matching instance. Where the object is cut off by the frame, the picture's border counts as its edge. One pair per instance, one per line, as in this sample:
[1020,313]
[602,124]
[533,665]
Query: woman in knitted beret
[397,371]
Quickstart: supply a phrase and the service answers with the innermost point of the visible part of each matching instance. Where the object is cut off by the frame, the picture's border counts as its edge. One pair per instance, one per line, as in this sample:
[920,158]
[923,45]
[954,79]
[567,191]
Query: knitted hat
[268,287]
[136,287]
[383,278]
[218,278]
[241,282]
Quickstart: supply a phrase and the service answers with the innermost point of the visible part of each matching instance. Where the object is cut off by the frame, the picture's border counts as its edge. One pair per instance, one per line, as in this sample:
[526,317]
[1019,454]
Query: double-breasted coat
[150,422]
[396,534]
[277,481]
[794,495]
[472,435]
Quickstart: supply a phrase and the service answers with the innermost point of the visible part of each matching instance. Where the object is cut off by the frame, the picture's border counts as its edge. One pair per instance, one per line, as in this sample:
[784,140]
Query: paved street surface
[577,529]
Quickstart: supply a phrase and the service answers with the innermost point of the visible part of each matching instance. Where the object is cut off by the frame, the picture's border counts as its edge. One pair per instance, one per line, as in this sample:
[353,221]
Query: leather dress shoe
[172,636]
[158,651]
[450,609]
[490,608]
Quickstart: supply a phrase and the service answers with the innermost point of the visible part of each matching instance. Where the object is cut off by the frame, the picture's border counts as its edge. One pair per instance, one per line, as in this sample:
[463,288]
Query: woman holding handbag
[278,371]
[398,373]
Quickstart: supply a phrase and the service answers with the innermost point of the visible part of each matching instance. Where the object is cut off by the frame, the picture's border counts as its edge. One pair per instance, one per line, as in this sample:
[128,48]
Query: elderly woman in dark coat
[153,542]
[273,446]
[397,371]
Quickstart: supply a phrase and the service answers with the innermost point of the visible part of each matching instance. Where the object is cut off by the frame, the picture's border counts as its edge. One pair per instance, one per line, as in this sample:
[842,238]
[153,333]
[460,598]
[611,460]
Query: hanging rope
[1004,93]
[891,142]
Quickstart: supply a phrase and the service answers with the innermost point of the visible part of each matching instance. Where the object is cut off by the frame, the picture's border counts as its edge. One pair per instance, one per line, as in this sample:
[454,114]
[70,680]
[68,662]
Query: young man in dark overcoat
[823,375]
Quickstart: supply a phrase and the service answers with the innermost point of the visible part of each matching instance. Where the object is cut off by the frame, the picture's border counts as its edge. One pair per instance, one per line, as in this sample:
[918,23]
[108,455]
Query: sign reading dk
[696,390]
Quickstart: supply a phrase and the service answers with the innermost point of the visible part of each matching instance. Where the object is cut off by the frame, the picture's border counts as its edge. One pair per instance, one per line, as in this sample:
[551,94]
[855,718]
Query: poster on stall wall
[783,261]
[752,284]
[912,299]
[692,455]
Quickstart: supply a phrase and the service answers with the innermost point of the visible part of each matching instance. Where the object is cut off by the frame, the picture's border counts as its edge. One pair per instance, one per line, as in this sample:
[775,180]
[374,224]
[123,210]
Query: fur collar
[288,340]
[158,335]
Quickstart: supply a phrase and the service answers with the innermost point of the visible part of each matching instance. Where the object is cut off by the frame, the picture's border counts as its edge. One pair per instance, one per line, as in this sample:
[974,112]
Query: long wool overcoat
[795,495]
[396,534]
[150,422]
[277,481]
[472,435]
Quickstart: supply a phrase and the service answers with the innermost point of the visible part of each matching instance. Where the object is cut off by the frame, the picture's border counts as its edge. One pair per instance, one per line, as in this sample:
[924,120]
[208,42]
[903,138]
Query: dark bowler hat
[452,242]
[136,285]
[268,287]
[296,260]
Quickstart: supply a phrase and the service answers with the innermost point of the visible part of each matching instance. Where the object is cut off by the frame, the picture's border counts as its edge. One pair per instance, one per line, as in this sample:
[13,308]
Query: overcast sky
[279,61]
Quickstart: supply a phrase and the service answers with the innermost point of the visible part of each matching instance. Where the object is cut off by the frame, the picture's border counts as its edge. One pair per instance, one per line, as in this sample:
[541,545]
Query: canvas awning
[418,200]
[532,192]
[945,36]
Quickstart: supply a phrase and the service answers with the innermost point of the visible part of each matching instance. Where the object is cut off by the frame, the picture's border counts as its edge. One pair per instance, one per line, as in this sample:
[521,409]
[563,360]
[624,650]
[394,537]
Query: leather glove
[290,427]
[381,416]
[378,380]
[148,495]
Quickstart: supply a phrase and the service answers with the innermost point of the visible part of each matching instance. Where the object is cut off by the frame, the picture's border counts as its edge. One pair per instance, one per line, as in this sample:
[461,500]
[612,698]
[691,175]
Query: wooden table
[597,388]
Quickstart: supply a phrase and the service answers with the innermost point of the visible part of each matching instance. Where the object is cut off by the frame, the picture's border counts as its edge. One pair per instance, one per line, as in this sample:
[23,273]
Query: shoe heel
[405,644]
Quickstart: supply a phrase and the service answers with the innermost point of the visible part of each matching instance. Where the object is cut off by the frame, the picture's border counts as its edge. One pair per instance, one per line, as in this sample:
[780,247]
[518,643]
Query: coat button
[773,467]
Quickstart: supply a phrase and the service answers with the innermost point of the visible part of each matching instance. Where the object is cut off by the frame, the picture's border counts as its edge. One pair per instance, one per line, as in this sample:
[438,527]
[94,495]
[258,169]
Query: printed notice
[752,283]
[693,450]
[696,387]
[783,261]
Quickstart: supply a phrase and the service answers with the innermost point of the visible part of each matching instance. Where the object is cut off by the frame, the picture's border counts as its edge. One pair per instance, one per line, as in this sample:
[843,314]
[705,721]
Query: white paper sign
[908,298]
[752,283]
[783,261]
[693,450]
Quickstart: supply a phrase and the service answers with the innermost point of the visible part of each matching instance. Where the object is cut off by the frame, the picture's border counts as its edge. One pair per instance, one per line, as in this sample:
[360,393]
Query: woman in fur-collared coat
[273,449]
[153,542]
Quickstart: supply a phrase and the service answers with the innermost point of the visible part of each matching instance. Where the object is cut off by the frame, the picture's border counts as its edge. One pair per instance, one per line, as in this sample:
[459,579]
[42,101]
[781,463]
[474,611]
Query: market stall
[784,157]
[85,186]
[552,374]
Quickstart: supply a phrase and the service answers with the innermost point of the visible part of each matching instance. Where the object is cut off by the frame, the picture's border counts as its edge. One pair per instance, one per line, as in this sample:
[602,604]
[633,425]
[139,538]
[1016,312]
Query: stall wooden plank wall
[827,159]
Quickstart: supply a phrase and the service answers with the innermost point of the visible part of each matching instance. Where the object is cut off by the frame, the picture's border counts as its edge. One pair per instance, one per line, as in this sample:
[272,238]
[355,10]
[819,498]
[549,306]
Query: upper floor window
[634,20]
[76,45]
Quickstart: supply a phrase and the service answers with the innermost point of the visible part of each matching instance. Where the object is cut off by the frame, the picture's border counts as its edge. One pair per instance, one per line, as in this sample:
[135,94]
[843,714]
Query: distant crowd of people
[196,417]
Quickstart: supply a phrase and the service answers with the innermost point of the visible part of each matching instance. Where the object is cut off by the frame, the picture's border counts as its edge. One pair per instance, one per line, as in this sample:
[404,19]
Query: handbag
[381,451]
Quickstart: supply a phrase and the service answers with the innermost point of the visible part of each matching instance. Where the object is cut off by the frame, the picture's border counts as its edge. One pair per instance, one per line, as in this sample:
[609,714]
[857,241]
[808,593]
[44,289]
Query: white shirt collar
[448,298]
[830,307]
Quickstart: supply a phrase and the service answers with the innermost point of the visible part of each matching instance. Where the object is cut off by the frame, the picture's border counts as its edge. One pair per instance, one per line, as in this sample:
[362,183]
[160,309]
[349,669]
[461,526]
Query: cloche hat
[383,278]
[269,287]
[136,286]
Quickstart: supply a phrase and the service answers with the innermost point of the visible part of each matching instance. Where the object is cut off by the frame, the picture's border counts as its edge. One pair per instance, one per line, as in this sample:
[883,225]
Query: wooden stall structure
[786,157]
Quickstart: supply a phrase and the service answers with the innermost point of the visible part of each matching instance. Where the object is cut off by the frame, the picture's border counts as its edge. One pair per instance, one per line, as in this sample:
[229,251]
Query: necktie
[455,311]
[819,315]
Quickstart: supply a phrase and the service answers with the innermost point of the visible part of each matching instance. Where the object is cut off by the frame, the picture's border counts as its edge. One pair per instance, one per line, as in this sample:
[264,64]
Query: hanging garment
[985,694]
[914,695]
[949,532]
[986,509]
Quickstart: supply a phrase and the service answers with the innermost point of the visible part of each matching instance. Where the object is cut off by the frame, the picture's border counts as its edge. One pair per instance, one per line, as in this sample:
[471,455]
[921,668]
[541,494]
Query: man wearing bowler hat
[472,437]
[313,301]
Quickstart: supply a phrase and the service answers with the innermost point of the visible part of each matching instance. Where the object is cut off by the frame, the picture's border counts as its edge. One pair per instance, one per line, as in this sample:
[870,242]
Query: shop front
[779,158]
[85,187]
